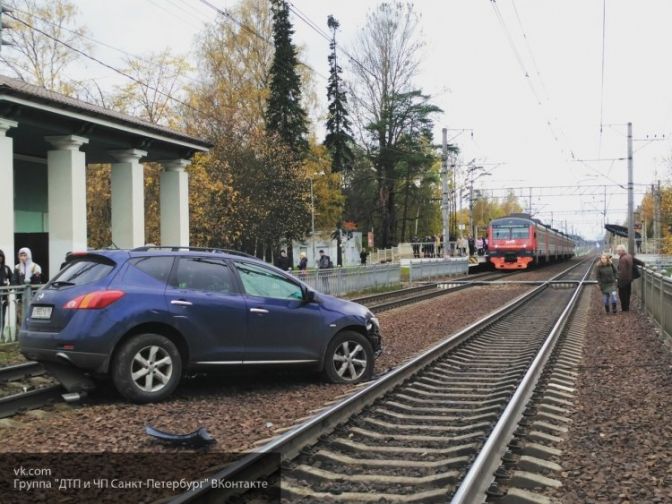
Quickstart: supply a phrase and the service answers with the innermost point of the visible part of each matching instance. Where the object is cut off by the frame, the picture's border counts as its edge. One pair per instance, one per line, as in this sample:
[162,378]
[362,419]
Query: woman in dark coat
[605,274]
[5,279]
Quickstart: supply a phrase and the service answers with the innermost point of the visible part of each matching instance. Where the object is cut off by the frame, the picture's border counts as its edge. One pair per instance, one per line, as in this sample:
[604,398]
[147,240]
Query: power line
[529,50]
[604,31]
[303,17]
[106,65]
[95,41]
[254,32]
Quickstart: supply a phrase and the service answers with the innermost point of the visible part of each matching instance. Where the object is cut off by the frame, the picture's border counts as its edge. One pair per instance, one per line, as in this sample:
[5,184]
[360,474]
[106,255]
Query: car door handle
[258,310]
[181,302]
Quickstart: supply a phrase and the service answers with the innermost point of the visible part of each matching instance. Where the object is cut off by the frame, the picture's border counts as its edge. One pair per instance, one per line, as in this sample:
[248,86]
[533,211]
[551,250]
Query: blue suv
[146,315]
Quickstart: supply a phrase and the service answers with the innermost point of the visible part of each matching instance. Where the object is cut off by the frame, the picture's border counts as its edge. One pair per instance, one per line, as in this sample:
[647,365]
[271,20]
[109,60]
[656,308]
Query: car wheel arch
[355,328]
[155,328]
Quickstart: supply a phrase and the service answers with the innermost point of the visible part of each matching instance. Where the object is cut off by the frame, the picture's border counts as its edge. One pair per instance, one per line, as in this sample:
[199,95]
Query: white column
[66,168]
[7,197]
[175,203]
[128,199]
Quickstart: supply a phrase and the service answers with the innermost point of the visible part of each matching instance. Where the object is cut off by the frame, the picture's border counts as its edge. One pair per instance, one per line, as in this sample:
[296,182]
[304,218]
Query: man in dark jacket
[324,262]
[625,264]
[283,261]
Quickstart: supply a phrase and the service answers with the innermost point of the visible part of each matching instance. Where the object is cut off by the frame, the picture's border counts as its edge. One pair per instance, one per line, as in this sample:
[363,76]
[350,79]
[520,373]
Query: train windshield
[510,232]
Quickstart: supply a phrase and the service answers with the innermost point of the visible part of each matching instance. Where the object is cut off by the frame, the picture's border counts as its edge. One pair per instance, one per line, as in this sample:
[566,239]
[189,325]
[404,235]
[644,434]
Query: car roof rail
[177,248]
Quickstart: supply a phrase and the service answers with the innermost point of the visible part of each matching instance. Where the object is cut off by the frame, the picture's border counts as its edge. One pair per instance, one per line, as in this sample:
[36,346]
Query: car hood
[343,306]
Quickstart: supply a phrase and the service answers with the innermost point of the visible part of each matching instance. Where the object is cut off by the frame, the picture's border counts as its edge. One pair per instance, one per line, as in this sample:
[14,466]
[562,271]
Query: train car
[518,241]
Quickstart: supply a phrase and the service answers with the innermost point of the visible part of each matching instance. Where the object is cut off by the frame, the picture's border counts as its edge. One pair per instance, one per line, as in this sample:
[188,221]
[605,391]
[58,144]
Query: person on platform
[27,271]
[283,261]
[5,280]
[625,266]
[472,245]
[605,274]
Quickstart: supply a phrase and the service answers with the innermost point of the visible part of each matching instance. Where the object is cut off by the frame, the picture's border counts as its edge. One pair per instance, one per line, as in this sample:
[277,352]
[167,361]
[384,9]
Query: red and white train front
[511,243]
[518,241]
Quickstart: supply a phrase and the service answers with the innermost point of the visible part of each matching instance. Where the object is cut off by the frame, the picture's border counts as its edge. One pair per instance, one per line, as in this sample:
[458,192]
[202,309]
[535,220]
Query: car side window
[259,281]
[157,267]
[204,274]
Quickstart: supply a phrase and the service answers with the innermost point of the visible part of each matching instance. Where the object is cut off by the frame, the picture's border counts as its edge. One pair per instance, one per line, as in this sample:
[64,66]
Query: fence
[412,250]
[432,269]
[655,291]
[341,281]
[11,309]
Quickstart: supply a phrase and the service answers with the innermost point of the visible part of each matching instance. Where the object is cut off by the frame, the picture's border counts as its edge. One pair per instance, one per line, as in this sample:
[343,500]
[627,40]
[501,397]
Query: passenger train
[518,241]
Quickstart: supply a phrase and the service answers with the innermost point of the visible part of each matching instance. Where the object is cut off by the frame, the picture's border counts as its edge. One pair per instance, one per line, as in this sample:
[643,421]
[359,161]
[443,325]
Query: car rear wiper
[60,283]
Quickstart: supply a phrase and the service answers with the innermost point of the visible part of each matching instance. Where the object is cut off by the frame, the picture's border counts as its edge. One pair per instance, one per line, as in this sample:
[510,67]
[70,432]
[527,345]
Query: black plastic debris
[196,439]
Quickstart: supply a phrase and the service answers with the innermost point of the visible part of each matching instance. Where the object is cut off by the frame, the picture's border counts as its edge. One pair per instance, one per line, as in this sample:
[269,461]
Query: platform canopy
[620,230]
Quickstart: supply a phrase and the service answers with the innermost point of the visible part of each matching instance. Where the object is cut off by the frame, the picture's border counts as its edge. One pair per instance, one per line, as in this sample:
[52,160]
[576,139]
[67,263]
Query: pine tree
[339,136]
[285,116]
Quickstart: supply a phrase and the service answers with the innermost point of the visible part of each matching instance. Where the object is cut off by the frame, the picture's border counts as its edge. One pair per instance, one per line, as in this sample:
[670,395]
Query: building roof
[21,89]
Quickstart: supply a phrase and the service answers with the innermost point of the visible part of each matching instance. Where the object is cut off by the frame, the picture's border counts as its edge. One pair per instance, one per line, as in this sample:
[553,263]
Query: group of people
[611,278]
[25,272]
[431,246]
[324,262]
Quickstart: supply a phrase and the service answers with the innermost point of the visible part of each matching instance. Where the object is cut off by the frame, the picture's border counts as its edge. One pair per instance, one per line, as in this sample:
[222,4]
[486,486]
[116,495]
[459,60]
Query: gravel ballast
[619,445]
[239,409]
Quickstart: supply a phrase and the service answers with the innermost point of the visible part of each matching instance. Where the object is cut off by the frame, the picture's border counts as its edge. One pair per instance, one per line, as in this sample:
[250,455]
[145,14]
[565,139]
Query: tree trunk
[407,190]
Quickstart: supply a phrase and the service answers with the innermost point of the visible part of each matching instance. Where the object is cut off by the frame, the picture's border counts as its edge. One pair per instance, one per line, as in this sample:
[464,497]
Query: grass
[9,354]
[374,290]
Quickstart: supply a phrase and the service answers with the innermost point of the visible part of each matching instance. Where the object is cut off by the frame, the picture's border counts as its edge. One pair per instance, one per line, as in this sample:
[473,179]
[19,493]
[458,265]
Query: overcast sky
[474,65]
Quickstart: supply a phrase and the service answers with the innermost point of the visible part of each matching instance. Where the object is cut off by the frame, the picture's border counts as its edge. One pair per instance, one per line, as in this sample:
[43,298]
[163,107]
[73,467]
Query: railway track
[394,299]
[432,430]
[35,389]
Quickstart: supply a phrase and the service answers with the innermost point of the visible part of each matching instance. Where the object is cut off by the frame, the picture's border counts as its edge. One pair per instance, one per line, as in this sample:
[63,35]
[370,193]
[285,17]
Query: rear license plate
[41,312]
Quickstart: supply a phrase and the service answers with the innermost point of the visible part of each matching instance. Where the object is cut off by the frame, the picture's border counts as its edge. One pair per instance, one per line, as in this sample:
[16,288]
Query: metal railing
[341,281]
[437,268]
[654,289]
[14,302]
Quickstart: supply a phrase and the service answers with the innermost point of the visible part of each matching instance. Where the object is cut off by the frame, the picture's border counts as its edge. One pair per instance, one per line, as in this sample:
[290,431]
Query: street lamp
[312,211]
[472,179]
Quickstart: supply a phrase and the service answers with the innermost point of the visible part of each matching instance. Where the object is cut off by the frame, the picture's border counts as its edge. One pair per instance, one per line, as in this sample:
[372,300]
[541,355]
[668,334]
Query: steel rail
[436,291]
[11,405]
[18,371]
[481,473]
[409,290]
[261,463]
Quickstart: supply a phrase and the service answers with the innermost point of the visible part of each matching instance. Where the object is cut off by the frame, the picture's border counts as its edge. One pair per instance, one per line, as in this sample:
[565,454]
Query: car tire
[147,368]
[349,358]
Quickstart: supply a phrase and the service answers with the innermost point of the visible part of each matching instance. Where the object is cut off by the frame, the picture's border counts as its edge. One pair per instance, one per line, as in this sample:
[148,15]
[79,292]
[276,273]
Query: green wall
[30,197]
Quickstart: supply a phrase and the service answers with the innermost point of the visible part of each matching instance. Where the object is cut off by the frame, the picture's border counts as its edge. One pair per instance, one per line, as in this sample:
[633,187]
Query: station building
[46,142]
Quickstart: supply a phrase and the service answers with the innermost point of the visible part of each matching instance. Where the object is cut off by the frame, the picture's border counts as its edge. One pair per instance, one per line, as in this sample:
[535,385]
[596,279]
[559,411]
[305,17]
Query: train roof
[528,217]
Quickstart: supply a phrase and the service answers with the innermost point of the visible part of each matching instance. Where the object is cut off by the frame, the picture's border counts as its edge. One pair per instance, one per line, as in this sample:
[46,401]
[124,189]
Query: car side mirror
[308,296]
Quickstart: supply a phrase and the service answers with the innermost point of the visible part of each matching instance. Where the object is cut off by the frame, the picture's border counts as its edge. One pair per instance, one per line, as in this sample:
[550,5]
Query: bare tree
[35,57]
[386,60]
[154,93]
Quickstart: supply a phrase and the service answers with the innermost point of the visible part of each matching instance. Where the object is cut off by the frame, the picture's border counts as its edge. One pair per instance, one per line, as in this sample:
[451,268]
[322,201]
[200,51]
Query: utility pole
[656,218]
[529,204]
[445,201]
[312,216]
[631,222]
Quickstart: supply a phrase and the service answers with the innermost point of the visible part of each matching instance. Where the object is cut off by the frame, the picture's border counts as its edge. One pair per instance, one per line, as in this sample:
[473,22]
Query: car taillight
[94,300]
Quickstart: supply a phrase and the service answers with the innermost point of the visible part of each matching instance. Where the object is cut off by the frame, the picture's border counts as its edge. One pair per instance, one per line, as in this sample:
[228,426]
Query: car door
[281,327]
[208,308]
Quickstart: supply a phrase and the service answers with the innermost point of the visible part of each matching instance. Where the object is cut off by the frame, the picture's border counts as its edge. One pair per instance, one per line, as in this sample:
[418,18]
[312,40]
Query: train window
[518,232]
[500,233]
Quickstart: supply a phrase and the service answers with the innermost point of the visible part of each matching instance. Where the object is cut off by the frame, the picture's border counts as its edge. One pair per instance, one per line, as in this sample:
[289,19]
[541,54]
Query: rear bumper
[43,347]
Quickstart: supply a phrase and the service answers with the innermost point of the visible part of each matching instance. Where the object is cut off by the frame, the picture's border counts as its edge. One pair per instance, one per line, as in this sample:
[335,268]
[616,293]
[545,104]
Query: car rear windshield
[83,271]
